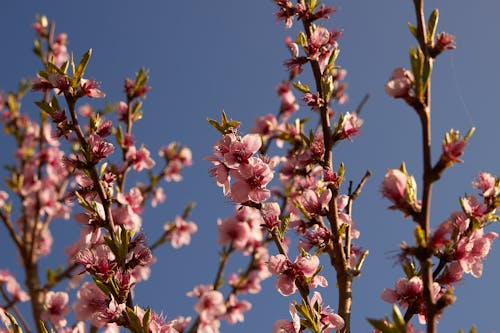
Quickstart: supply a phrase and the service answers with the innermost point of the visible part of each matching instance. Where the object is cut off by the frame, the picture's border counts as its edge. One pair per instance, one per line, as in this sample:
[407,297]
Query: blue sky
[209,56]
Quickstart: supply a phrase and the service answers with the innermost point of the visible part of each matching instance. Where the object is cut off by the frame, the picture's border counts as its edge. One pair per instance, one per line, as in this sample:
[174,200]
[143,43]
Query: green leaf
[426,74]
[80,69]
[302,87]
[302,39]
[413,30]
[328,87]
[380,325]
[398,319]
[145,321]
[42,325]
[45,107]
[419,236]
[432,24]
[135,322]
[14,326]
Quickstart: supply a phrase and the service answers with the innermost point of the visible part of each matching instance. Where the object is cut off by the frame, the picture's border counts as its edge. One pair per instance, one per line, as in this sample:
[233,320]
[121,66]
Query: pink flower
[445,41]
[92,304]
[133,200]
[158,196]
[241,150]
[484,182]
[400,84]
[59,51]
[221,173]
[315,204]
[329,319]
[408,293]
[395,188]
[265,125]
[232,231]
[56,307]
[286,12]
[293,47]
[210,305]
[3,196]
[181,232]
[307,265]
[251,179]
[472,250]
[122,110]
[277,264]
[286,326]
[235,310]
[271,214]
[140,159]
[473,207]
[90,88]
[13,287]
[100,148]
[288,100]
[351,125]
[453,146]
[99,261]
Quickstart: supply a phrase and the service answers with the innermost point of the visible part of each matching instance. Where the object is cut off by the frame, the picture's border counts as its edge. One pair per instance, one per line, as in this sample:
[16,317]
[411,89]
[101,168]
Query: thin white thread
[459,90]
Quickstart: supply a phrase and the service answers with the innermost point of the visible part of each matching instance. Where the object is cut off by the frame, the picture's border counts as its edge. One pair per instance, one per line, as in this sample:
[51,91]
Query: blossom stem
[424,113]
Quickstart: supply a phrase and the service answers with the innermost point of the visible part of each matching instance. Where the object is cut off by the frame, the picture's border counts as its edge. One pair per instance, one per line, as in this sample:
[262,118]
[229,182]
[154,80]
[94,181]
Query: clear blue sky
[208,56]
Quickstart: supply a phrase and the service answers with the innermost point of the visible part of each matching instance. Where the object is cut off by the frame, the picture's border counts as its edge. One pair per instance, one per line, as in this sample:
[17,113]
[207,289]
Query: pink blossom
[241,150]
[133,200]
[409,293]
[315,204]
[210,305]
[307,265]
[328,318]
[288,100]
[100,148]
[13,287]
[221,173]
[278,263]
[234,232]
[251,179]
[395,188]
[59,51]
[473,249]
[98,261]
[140,159]
[3,196]
[271,214]
[484,182]
[453,147]
[293,47]
[86,110]
[285,326]
[122,110]
[351,125]
[285,284]
[473,207]
[181,232]
[286,12]
[235,310]
[90,88]
[445,41]
[158,196]
[400,84]
[265,125]
[56,308]
[92,304]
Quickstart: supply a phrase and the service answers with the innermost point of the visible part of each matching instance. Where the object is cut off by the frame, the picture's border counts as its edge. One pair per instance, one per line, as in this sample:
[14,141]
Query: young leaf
[432,25]
[80,69]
